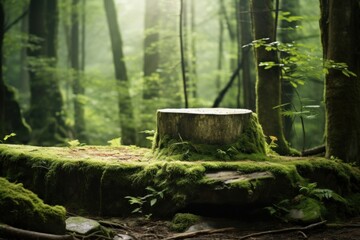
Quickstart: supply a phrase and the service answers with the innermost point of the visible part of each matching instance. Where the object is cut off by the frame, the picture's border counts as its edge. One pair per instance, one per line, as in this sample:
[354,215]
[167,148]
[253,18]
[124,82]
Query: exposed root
[17,233]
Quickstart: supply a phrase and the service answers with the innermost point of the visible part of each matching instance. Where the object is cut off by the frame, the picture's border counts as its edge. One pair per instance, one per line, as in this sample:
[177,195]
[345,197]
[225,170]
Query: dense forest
[133,113]
[95,71]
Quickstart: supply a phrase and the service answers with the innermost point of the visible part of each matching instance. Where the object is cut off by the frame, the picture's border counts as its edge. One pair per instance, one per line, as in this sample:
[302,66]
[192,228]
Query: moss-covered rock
[21,208]
[97,180]
[182,221]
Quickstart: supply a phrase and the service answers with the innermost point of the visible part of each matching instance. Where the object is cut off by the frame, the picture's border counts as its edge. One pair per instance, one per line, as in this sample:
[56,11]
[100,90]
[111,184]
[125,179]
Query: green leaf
[137,210]
[153,202]
[9,136]
[74,143]
[116,142]
[151,189]
[345,73]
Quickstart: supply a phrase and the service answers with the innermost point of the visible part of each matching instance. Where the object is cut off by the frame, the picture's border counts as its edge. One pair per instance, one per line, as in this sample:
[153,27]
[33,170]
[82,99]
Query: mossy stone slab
[81,225]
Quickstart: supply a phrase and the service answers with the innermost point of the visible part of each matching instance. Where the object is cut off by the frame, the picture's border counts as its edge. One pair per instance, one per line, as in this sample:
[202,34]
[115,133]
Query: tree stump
[207,131]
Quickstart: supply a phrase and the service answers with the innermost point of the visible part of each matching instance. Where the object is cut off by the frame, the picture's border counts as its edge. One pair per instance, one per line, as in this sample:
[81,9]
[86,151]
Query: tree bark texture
[247,56]
[128,135]
[288,34]
[268,84]
[11,120]
[78,89]
[46,120]
[217,126]
[151,49]
[340,32]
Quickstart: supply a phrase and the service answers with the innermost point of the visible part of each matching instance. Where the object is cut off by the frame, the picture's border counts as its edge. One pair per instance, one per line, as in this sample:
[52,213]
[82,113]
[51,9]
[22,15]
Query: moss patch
[183,221]
[96,180]
[22,208]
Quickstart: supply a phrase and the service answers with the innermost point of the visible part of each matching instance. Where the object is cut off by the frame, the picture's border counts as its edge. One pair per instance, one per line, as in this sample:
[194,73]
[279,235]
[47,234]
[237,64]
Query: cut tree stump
[209,127]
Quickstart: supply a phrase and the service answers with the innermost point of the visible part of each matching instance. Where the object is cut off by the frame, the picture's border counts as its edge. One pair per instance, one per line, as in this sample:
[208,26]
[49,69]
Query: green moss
[22,208]
[183,221]
[72,176]
[307,210]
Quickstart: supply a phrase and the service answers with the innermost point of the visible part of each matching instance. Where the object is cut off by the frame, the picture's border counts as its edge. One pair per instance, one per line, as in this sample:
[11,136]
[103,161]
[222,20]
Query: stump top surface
[207,111]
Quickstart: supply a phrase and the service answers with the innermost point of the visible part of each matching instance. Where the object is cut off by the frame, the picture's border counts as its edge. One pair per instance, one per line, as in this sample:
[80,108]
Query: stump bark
[214,127]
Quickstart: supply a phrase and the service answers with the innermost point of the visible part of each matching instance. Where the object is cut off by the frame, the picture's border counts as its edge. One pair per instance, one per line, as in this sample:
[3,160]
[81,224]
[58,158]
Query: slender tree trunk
[247,56]
[182,24]
[268,85]
[288,35]
[340,32]
[77,87]
[2,83]
[128,134]
[152,83]
[193,71]
[11,120]
[151,50]
[45,119]
[220,51]
[169,59]
[83,35]
[239,52]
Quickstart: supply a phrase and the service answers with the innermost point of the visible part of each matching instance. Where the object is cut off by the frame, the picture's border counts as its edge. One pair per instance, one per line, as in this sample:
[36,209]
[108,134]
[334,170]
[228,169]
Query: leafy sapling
[149,200]
[115,142]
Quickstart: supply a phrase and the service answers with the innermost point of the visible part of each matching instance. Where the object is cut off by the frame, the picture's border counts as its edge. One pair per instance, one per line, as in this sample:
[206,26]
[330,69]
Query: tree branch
[16,20]
[197,233]
[292,229]
[227,87]
[12,232]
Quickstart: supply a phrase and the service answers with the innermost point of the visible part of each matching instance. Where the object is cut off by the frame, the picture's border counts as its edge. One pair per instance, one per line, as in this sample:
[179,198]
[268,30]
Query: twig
[292,229]
[303,234]
[337,225]
[113,225]
[126,230]
[197,233]
[12,232]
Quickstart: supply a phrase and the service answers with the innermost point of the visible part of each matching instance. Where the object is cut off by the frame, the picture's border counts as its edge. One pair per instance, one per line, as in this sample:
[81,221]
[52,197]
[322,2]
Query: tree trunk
[78,89]
[151,50]
[268,87]
[193,71]
[11,120]
[217,128]
[288,35]
[247,56]
[46,120]
[128,135]
[340,32]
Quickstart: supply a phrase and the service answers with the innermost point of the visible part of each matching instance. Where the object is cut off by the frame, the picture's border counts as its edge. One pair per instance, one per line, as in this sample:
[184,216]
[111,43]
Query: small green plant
[311,190]
[8,136]
[73,143]
[222,154]
[148,200]
[115,142]
[150,134]
[273,143]
[309,201]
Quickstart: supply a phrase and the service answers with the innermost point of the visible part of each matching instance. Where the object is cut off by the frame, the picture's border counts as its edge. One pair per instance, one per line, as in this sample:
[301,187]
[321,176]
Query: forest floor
[141,229]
